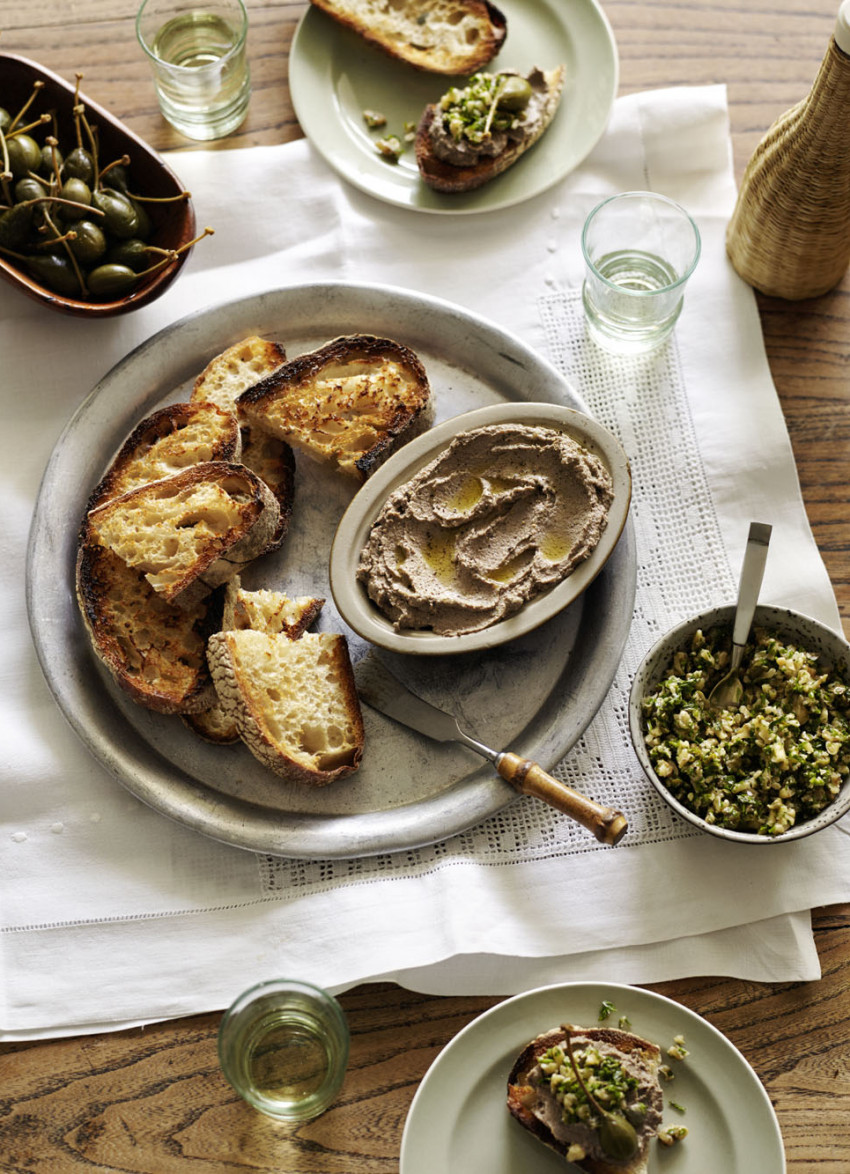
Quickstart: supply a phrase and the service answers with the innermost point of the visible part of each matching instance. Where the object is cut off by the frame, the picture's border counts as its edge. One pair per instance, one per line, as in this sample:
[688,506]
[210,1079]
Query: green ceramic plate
[458,1122]
[334,76]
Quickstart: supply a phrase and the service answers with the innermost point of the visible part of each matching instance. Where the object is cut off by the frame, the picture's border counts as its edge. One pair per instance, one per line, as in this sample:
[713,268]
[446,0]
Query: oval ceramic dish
[173,223]
[832,650]
[350,596]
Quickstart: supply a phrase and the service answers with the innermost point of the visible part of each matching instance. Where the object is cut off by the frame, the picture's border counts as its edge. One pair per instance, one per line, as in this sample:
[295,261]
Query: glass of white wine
[639,248]
[201,72]
[283,1046]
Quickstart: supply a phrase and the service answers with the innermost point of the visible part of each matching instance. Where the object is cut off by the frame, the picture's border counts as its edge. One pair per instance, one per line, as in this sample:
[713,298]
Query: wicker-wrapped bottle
[789,235]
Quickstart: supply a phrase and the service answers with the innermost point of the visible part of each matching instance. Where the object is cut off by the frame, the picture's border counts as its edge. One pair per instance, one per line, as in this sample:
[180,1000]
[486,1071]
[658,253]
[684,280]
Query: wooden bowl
[173,223]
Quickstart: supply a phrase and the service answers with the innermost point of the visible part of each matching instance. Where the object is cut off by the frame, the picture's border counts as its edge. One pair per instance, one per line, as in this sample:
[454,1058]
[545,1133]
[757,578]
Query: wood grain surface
[152,1100]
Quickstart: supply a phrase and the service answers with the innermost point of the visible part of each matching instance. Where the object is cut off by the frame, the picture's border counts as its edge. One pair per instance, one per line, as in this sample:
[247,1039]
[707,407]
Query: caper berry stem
[173,254]
[160,199]
[22,130]
[78,108]
[124,161]
[7,169]
[92,137]
[36,86]
[497,93]
[85,208]
[69,251]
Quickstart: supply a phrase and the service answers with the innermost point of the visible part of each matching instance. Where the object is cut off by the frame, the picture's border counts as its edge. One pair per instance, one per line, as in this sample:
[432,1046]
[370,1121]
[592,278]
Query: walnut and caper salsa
[773,761]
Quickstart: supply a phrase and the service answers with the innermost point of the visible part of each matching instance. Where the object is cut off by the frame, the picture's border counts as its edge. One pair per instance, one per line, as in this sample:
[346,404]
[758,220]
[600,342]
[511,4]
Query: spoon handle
[752,573]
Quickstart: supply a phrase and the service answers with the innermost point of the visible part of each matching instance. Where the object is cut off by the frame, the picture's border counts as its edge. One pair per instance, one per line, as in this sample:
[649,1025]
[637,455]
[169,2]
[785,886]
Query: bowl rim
[350,597]
[787,621]
[159,281]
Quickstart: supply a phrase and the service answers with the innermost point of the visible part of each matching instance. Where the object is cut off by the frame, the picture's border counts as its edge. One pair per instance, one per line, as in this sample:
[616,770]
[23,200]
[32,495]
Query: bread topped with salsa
[477,131]
[590,1094]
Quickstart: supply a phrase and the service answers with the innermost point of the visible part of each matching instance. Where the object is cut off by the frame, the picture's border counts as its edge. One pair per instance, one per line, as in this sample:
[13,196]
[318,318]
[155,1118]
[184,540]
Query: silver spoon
[729,690]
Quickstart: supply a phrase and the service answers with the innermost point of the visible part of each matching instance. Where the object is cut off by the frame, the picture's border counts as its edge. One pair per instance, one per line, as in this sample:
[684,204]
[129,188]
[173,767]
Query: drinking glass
[201,73]
[640,248]
[283,1046]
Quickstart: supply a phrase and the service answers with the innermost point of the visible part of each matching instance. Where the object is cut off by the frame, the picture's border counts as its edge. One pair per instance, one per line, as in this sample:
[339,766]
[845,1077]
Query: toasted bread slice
[274,462]
[440,36]
[165,443]
[294,701]
[190,532]
[532,1101]
[263,611]
[268,611]
[352,402]
[463,176]
[221,383]
[155,652]
[226,376]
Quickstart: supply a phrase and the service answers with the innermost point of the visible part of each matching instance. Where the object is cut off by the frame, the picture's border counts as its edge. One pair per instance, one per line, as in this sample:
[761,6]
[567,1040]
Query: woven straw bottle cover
[789,235]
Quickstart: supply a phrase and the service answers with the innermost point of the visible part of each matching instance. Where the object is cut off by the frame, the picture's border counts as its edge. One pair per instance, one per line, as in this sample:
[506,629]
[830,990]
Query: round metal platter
[408,791]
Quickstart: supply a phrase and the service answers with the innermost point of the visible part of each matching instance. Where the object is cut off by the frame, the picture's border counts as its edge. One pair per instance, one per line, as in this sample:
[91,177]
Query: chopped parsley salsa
[777,759]
[603,1075]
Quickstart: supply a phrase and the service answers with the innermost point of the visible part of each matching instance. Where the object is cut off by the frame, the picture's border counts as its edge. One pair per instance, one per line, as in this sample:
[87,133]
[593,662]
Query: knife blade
[383,691]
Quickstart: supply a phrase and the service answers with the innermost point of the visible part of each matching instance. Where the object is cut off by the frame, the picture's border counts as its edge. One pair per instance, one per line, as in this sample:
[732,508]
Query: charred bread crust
[154,652]
[520,1092]
[399,418]
[449,178]
[164,437]
[490,22]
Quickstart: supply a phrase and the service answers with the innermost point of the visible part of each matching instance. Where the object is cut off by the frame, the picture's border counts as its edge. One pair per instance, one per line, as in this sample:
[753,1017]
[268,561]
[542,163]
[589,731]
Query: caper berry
[28,188]
[56,272]
[618,1137]
[89,243]
[133,253]
[120,215]
[5,119]
[515,93]
[51,158]
[15,226]
[111,280]
[24,155]
[79,165]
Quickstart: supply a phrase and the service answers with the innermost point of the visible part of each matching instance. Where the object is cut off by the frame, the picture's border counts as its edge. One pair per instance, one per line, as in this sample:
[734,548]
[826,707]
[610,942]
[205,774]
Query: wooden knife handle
[607,824]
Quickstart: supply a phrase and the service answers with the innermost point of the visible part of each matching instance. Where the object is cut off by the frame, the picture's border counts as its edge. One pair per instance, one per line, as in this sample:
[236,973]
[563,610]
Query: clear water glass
[639,248]
[283,1046]
[200,67]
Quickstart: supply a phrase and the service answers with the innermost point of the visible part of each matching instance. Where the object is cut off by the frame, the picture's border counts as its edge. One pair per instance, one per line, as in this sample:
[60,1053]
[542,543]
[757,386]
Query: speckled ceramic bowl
[833,652]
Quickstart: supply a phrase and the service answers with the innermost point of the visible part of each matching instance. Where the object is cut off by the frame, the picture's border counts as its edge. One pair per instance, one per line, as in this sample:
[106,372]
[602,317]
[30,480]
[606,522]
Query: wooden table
[153,1101]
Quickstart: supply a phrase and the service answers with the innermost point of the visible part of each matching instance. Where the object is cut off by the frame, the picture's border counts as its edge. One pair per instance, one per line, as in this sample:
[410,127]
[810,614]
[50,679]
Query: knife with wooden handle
[379,688]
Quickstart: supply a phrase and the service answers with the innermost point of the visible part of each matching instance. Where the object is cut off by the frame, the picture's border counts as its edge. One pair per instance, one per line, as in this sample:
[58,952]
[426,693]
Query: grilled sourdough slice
[221,383]
[450,161]
[625,1065]
[155,653]
[263,611]
[352,402]
[440,36]
[268,611]
[294,701]
[191,532]
[167,442]
[226,376]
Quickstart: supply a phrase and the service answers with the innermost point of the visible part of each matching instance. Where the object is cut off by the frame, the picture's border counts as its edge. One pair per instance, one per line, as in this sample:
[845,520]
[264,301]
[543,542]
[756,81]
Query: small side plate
[363,616]
[334,75]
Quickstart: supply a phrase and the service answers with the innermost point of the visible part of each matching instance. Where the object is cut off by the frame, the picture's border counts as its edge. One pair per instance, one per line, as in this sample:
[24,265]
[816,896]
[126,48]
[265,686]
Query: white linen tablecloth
[111,914]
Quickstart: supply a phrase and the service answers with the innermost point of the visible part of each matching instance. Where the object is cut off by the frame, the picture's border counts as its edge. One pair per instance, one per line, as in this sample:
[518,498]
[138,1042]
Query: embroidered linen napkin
[112,914]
